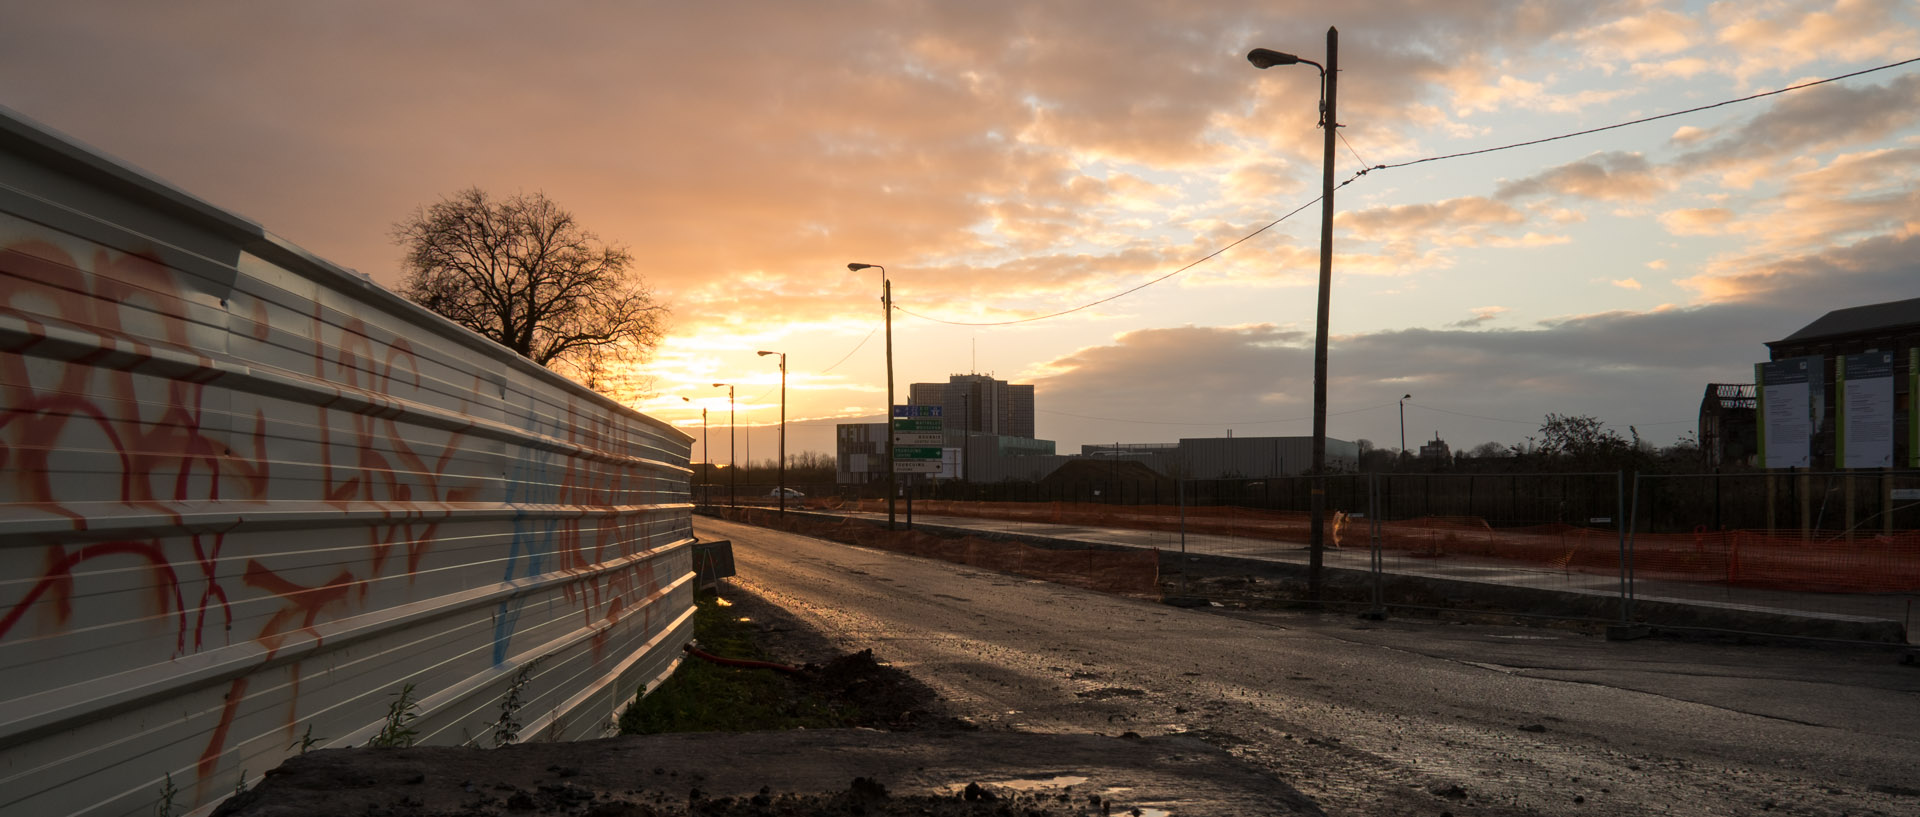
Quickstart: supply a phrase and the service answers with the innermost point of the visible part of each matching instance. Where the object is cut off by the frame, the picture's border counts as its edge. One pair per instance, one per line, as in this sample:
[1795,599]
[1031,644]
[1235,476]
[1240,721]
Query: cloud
[1681,68]
[1612,176]
[1481,315]
[1882,268]
[1780,36]
[1626,283]
[1699,221]
[1459,216]
[1654,32]
[1812,120]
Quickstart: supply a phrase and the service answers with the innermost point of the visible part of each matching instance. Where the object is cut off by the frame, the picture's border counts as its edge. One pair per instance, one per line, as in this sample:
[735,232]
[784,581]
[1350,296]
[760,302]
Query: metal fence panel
[247,498]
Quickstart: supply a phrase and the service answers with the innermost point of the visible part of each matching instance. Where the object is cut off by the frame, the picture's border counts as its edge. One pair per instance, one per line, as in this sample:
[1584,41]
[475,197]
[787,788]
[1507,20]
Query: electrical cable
[1645,120]
[856,348]
[1208,257]
[1365,169]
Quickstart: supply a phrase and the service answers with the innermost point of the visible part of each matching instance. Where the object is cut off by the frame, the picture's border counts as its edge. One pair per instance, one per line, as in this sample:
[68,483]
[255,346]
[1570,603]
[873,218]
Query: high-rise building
[979,403]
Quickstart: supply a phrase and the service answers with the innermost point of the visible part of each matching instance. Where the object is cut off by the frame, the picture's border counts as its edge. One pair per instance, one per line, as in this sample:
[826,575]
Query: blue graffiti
[533,480]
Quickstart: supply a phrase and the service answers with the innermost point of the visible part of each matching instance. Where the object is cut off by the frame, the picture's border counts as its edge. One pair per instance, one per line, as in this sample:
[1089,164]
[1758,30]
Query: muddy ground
[909,756]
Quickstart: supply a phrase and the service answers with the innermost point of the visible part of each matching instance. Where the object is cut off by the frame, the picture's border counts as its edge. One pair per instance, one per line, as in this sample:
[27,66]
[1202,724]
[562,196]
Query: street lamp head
[856,267]
[718,385]
[764,354]
[1406,397]
[1268,58]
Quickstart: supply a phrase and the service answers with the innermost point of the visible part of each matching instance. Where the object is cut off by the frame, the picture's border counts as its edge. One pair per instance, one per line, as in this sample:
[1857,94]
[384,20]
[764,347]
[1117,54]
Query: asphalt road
[1379,718]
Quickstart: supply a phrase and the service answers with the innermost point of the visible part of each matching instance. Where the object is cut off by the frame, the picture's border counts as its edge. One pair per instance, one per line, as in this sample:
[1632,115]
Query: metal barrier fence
[1842,545]
[251,501]
[1838,561]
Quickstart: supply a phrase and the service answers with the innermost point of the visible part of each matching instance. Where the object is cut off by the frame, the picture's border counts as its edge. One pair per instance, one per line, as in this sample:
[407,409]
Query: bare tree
[523,272]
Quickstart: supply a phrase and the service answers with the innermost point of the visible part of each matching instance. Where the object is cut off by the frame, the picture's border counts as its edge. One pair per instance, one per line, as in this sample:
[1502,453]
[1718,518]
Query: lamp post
[733,474]
[782,488]
[1329,75]
[706,445]
[886,309]
[1403,424]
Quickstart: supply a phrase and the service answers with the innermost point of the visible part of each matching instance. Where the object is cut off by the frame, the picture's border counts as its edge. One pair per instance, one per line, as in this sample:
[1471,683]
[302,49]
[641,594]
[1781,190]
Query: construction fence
[1658,549]
[1126,572]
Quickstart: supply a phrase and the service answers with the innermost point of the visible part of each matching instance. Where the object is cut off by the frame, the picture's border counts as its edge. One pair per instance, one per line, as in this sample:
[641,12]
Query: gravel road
[1379,718]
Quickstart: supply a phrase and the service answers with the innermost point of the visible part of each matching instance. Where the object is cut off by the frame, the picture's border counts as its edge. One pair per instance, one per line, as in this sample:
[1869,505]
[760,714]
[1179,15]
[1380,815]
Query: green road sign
[918,425]
[916,453]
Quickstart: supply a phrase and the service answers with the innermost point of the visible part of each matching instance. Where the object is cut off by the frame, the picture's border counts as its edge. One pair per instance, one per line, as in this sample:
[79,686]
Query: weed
[507,729]
[306,741]
[167,792]
[398,731]
[240,786]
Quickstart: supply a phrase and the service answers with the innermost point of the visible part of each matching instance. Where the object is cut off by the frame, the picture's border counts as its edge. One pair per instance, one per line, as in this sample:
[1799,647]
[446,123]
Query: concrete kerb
[1489,597]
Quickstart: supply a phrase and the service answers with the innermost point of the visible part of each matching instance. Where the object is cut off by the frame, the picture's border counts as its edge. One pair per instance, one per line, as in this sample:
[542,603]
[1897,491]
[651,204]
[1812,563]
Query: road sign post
[918,432]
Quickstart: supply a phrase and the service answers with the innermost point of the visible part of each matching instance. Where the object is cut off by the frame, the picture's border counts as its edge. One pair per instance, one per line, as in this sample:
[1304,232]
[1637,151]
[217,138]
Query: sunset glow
[1012,160]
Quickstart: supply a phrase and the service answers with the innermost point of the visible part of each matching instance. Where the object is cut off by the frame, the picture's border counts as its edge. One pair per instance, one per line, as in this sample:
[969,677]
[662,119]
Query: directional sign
[917,438]
[918,425]
[901,412]
[916,466]
[917,453]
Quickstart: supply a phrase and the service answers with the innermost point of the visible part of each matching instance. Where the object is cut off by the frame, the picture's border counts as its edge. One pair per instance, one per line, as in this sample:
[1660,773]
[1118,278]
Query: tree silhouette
[522,271]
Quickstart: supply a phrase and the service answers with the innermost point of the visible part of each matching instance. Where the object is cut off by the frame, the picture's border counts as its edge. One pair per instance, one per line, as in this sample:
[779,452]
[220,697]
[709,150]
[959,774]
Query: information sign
[1866,410]
[1785,389]
[917,438]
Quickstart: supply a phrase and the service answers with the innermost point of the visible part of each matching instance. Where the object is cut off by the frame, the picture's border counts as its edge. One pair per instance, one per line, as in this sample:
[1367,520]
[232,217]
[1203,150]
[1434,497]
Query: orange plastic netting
[1822,561]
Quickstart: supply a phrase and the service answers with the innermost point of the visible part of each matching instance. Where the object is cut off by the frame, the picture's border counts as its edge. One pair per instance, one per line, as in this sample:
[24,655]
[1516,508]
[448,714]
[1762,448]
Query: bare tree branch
[523,272]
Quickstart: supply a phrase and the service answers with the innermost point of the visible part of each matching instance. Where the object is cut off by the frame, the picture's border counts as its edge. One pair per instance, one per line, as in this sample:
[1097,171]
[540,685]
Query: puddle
[1527,637]
[1025,784]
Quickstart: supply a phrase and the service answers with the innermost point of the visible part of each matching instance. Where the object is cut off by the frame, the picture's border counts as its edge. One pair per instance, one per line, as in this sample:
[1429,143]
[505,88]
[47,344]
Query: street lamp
[733,474]
[706,445]
[1403,424]
[782,488]
[1329,74]
[886,309]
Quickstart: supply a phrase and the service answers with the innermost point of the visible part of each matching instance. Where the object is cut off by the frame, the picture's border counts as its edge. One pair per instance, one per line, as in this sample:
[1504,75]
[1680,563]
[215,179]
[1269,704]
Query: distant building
[860,455]
[1727,424]
[979,403]
[1892,327]
[1437,450]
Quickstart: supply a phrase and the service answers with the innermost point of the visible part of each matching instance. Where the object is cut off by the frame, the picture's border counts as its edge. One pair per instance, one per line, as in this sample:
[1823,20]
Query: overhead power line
[1645,120]
[1365,170]
[1208,257]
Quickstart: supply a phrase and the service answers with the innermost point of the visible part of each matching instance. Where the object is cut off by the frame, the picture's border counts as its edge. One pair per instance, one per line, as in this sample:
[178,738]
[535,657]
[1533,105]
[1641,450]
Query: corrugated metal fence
[247,498]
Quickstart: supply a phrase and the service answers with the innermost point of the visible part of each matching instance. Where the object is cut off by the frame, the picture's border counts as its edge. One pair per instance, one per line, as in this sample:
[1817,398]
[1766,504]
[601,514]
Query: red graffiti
[107,374]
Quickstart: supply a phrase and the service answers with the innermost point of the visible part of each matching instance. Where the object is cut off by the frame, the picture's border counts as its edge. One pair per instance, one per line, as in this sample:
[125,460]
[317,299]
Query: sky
[1011,160]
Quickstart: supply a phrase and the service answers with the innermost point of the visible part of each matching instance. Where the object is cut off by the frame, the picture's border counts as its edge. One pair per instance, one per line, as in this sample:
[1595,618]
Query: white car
[789,492]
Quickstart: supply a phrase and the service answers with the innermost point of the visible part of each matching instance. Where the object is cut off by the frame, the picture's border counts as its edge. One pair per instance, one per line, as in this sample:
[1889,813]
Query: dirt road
[1395,717]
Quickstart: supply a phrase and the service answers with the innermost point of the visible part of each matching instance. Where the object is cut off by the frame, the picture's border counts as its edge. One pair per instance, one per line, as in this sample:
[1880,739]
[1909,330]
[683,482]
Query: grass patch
[704,697]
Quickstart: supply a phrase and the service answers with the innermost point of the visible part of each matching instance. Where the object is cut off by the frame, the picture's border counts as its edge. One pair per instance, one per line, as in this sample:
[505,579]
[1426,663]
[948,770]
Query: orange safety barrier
[1821,562]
